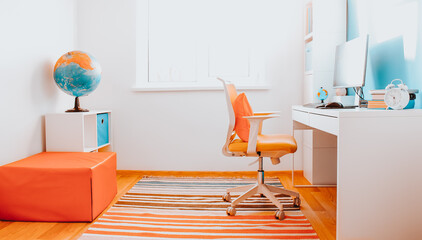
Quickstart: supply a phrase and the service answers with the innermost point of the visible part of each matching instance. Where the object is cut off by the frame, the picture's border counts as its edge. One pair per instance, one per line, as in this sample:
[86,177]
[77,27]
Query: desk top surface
[359,112]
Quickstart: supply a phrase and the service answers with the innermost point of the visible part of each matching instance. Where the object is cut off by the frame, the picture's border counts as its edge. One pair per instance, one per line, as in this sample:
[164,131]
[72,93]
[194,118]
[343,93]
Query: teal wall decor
[395,41]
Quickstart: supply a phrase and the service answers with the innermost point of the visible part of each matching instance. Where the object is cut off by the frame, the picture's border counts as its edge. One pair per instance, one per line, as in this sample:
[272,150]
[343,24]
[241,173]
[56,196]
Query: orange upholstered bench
[58,187]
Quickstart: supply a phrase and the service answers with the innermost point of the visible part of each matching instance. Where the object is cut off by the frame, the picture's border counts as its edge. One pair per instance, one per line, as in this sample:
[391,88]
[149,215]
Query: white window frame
[142,64]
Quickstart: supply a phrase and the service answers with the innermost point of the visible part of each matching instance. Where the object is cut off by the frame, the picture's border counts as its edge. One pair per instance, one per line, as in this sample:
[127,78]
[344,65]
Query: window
[186,44]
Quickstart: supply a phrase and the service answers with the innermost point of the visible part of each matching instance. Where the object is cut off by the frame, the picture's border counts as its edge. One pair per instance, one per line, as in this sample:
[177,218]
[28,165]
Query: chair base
[263,189]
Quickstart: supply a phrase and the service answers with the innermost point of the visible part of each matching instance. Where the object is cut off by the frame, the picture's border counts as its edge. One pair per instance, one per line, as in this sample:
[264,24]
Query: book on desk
[330,105]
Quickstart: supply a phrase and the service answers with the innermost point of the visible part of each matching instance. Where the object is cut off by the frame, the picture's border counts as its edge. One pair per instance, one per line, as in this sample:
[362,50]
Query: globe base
[77,108]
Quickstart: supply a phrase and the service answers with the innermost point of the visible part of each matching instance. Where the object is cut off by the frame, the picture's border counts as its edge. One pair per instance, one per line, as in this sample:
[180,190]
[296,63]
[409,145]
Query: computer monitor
[350,65]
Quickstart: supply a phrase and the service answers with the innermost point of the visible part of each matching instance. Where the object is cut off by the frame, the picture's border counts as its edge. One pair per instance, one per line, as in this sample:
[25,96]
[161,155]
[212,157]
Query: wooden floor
[318,205]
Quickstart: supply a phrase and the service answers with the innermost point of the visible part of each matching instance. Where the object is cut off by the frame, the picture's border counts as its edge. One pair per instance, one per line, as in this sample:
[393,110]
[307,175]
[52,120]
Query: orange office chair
[258,145]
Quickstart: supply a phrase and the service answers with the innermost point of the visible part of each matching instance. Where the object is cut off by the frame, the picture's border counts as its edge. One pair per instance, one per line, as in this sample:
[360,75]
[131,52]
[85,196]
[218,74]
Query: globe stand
[77,107]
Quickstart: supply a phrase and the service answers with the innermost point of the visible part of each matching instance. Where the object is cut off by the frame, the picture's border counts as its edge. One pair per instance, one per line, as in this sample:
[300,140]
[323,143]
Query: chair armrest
[266,113]
[256,123]
[261,117]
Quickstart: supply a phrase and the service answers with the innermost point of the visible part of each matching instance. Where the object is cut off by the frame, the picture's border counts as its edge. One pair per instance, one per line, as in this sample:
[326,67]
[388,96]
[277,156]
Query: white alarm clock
[396,96]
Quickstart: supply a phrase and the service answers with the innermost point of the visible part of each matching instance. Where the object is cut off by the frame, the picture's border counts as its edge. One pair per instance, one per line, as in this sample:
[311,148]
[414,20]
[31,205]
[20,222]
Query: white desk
[379,169]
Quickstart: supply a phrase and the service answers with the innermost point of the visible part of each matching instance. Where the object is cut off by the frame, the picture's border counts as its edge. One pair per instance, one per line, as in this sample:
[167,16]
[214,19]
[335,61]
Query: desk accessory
[378,96]
[78,74]
[396,96]
[345,100]
[322,94]
[334,105]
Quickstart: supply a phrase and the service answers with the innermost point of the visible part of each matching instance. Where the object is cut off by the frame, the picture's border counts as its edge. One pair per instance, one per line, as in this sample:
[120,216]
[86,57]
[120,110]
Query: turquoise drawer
[102,129]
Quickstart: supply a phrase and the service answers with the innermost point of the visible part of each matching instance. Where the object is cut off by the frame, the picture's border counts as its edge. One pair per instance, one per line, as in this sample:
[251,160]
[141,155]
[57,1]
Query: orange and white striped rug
[192,208]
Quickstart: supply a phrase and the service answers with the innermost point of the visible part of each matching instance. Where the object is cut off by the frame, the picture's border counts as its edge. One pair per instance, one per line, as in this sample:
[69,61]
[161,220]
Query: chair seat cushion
[267,143]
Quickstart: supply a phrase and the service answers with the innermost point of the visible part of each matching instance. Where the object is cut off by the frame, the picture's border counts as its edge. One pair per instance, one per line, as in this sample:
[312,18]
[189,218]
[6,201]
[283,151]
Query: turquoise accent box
[102,129]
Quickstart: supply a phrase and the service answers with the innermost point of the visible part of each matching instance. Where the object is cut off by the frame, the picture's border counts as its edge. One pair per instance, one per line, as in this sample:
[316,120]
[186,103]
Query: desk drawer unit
[324,123]
[301,117]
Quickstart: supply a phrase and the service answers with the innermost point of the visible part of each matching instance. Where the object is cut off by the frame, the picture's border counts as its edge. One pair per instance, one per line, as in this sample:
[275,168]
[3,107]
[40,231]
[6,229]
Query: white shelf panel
[92,149]
[104,145]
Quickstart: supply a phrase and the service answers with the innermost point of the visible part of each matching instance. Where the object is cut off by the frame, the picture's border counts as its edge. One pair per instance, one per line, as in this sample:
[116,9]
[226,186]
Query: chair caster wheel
[296,202]
[227,197]
[231,211]
[279,215]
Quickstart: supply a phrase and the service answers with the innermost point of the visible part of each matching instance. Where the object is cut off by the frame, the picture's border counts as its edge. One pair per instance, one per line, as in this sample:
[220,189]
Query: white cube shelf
[78,131]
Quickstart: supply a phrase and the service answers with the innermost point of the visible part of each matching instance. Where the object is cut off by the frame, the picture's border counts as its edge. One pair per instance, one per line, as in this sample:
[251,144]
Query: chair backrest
[231,94]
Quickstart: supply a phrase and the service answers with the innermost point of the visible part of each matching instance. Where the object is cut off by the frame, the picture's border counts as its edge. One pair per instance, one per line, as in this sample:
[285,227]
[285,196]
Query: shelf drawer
[102,129]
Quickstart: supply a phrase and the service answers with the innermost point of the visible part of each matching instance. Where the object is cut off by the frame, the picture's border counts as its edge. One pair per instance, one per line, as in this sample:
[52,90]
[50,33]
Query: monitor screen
[350,65]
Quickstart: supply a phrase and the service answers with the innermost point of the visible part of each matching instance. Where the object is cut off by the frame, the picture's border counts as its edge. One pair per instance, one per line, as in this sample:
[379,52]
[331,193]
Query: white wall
[181,130]
[33,35]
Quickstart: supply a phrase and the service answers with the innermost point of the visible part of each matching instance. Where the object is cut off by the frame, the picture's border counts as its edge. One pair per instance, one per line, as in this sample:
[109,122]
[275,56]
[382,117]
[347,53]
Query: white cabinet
[320,157]
[78,132]
[325,28]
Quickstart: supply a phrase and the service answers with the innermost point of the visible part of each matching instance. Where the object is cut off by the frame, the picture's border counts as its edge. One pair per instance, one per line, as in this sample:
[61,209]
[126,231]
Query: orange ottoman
[58,186]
